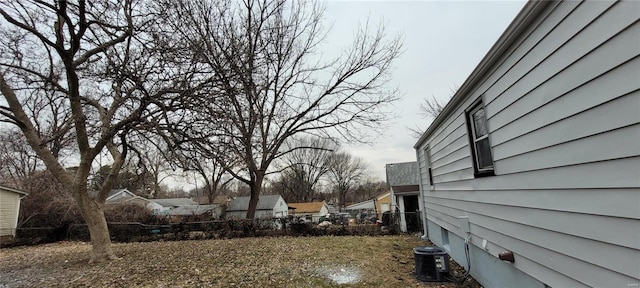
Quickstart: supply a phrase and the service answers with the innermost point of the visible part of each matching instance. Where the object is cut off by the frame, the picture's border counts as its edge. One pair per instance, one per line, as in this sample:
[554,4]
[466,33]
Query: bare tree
[368,189]
[151,163]
[207,169]
[304,167]
[21,168]
[17,160]
[346,172]
[430,108]
[271,83]
[94,68]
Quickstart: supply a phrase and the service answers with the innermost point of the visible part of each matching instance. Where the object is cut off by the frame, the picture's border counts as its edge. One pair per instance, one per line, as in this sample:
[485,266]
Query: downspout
[425,236]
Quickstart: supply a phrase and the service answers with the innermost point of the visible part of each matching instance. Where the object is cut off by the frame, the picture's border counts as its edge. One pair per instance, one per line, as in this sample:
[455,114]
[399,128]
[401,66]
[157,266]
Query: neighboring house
[119,196]
[311,211]
[365,211]
[333,208]
[404,182]
[178,207]
[174,202]
[268,206]
[383,203]
[179,212]
[538,152]
[222,200]
[187,210]
[168,204]
[9,211]
[369,205]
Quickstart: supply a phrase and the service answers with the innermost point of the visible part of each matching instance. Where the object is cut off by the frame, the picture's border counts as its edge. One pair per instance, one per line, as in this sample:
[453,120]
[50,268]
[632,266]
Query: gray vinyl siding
[563,111]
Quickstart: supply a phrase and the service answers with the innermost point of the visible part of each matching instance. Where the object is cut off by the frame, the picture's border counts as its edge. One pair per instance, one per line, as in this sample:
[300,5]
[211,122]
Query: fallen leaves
[247,262]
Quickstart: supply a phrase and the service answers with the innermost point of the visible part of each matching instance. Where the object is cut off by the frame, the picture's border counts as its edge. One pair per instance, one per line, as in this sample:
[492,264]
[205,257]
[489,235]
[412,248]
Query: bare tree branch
[268,85]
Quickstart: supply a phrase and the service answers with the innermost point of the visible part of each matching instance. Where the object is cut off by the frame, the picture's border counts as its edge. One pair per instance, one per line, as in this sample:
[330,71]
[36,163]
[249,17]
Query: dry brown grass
[248,262]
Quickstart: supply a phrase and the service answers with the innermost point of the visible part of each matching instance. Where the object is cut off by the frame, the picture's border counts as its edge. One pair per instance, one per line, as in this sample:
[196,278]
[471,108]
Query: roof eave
[13,190]
[521,22]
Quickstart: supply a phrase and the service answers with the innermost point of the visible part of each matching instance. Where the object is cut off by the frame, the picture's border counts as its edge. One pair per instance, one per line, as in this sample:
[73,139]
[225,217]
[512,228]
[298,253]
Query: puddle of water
[343,275]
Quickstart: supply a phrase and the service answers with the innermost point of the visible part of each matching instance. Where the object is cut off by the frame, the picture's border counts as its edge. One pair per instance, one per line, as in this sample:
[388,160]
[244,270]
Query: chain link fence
[213,229]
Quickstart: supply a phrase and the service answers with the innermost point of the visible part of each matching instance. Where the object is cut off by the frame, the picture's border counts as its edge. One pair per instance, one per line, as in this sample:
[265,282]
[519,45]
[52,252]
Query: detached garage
[9,209]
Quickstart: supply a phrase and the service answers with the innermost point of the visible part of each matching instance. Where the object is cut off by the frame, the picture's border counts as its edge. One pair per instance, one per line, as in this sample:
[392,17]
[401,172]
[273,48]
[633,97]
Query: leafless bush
[127,212]
[47,205]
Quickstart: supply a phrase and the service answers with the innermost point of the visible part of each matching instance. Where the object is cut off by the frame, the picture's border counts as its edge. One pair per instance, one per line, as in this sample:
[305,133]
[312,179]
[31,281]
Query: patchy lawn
[247,262]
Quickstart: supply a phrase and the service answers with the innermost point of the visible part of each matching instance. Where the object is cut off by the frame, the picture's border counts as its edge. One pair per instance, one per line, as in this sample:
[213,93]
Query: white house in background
[311,211]
[268,206]
[376,205]
[168,203]
[164,206]
[404,183]
[537,154]
[168,206]
[364,205]
[214,210]
[9,211]
[117,196]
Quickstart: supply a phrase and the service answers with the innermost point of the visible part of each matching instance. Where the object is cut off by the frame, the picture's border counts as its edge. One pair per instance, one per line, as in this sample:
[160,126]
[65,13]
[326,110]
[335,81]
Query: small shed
[9,210]
[268,206]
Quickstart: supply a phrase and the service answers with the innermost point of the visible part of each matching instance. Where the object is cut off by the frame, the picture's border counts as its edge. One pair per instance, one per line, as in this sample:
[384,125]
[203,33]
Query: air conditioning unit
[432,264]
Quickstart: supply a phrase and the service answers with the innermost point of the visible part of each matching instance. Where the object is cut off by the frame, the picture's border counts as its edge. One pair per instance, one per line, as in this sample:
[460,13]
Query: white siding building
[311,211]
[9,211]
[540,150]
[269,206]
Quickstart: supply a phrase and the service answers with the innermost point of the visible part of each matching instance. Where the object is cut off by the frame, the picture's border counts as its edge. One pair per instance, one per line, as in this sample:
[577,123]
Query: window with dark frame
[479,139]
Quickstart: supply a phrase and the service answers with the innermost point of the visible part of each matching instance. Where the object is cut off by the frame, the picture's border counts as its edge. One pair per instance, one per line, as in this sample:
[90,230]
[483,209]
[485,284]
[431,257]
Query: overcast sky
[443,43]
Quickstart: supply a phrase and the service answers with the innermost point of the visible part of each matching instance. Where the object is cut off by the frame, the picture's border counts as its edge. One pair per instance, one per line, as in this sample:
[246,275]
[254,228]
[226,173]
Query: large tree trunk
[256,187]
[93,214]
[212,191]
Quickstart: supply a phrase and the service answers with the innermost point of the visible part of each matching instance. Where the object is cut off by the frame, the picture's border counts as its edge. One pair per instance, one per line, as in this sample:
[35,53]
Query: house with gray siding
[538,153]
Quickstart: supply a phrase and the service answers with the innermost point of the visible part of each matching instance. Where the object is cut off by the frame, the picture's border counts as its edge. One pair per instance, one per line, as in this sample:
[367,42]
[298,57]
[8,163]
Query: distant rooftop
[186,210]
[402,174]
[173,202]
[265,202]
[309,207]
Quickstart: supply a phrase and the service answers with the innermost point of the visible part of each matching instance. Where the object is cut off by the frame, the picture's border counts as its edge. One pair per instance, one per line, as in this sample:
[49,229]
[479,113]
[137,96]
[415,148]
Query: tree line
[233,82]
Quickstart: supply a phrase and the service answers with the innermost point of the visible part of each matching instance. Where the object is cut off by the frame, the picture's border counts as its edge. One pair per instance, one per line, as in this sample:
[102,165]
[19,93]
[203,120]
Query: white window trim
[473,139]
[478,139]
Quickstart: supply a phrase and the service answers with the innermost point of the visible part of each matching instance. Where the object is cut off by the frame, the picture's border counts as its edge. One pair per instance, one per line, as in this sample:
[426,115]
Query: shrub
[127,212]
